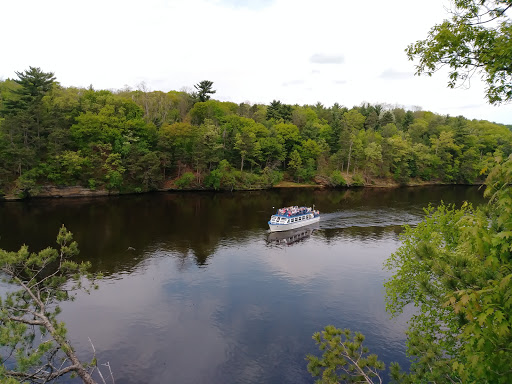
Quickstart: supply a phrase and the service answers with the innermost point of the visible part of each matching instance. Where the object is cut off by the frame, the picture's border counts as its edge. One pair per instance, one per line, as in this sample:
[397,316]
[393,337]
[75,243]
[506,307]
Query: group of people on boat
[295,210]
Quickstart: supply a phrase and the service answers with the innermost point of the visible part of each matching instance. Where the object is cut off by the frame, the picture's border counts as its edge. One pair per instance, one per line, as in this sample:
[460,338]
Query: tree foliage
[135,141]
[204,90]
[344,358]
[34,343]
[477,39]
[455,267]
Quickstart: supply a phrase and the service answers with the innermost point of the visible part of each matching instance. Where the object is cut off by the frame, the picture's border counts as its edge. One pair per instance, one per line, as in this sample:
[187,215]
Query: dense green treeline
[139,140]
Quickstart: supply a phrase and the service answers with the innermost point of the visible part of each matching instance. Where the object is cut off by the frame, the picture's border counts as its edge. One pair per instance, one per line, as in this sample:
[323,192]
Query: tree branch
[26,321]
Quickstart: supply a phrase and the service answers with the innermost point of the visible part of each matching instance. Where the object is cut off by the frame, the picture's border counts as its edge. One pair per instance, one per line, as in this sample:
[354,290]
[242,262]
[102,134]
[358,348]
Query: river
[196,291]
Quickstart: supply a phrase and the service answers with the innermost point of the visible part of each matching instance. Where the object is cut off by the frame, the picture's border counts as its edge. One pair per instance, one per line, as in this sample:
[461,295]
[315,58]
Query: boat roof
[293,211]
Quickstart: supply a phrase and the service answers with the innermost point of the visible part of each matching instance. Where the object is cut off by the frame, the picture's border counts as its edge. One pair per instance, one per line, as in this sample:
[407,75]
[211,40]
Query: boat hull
[290,226]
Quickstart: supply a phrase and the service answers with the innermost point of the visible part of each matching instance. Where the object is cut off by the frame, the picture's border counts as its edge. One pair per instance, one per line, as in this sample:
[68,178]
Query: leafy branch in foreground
[33,343]
[456,268]
[344,358]
[477,39]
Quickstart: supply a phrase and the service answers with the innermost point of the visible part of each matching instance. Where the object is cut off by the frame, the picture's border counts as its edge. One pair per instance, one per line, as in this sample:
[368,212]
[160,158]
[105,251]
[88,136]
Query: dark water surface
[206,296]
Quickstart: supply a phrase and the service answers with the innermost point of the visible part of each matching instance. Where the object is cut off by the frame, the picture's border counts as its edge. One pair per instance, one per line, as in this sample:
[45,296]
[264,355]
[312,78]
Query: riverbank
[51,191]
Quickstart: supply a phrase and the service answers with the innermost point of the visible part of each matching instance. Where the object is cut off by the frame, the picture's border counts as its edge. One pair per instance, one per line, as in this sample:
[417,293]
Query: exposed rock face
[321,180]
[54,191]
[76,191]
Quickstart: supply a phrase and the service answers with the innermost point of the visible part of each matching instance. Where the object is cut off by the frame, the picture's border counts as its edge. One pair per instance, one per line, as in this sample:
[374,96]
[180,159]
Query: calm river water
[195,290]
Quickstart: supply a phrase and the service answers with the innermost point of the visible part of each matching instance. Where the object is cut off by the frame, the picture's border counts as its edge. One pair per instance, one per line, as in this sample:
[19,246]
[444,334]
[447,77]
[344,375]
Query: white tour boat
[293,217]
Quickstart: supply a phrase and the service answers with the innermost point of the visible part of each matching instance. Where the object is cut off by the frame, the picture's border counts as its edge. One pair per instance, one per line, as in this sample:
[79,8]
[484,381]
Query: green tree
[422,161]
[288,134]
[210,142]
[178,141]
[114,170]
[279,111]
[372,120]
[352,122]
[418,131]
[143,169]
[295,162]
[34,85]
[387,118]
[397,153]
[301,116]
[456,268]
[247,146]
[336,179]
[469,166]
[69,167]
[108,118]
[373,159]
[408,119]
[344,358]
[34,343]
[211,109]
[272,150]
[204,90]
[185,181]
[222,177]
[477,39]
[446,152]
[26,119]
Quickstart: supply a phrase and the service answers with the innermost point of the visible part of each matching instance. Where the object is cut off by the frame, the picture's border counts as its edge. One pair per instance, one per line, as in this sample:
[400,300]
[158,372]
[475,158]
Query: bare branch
[26,321]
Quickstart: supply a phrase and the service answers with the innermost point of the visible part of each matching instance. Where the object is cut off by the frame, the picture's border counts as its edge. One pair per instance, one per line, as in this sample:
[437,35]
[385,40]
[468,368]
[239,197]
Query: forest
[139,140]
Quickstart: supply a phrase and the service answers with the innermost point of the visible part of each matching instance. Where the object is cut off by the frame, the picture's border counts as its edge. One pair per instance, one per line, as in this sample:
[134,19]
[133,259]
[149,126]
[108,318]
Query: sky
[295,51]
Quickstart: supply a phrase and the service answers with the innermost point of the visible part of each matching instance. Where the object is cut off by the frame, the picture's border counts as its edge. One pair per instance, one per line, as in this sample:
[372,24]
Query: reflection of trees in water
[192,224]
[108,228]
[363,234]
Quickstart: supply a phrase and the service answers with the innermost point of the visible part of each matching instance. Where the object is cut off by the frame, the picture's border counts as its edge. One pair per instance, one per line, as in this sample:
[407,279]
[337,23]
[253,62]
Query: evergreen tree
[25,117]
[204,90]
[34,343]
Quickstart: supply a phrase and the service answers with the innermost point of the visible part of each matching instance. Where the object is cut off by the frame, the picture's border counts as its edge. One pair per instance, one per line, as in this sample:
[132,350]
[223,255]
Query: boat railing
[294,211]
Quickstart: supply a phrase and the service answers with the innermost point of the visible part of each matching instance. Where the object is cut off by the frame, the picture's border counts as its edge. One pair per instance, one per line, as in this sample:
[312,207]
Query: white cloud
[293,82]
[320,58]
[392,74]
[250,4]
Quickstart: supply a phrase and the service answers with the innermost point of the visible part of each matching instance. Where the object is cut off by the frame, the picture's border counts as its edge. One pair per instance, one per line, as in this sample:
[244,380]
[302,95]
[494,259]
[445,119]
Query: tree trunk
[349,154]
[70,353]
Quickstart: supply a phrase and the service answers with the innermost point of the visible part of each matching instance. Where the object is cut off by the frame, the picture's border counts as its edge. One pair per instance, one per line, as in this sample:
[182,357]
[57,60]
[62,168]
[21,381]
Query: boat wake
[368,218]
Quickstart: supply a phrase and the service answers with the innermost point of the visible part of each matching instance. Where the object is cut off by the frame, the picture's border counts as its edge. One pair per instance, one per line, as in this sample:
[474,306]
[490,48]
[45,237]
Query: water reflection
[196,224]
[292,236]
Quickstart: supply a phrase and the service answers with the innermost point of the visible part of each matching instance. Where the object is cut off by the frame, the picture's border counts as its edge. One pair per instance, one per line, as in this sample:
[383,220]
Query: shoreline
[76,192]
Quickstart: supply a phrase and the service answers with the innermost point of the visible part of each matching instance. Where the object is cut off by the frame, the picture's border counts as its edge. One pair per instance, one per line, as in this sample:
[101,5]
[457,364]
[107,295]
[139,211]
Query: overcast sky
[295,51]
